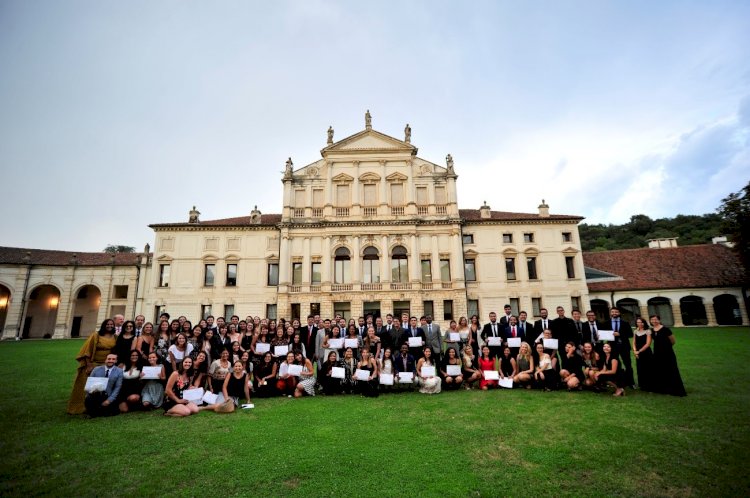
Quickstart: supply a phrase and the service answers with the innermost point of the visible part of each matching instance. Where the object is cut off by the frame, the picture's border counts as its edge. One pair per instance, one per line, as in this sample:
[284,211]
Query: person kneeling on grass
[545,374]
[429,384]
[469,368]
[179,381]
[287,383]
[103,404]
[525,364]
[571,368]
[306,384]
[452,359]
[609,372]
[590,359]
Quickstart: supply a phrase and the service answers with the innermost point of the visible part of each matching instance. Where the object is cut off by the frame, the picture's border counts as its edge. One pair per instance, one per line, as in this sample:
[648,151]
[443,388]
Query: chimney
[662,243]
[543,210]
[484,212]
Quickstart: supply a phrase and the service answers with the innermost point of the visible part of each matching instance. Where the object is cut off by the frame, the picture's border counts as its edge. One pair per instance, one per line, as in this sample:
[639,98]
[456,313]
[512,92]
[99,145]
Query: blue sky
[115,115]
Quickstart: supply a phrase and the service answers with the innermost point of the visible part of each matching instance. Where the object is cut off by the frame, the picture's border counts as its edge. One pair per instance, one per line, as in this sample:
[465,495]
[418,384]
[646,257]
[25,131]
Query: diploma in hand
[415,342]
[351,343]
[506,383]
[491,375]
[454,336]
[295,370]
[494,341]
[194,395]
[453,370]
[406,377]
[386,379]
[514,342]
[262,347]
[428,371]
[280,350]
[151,373]
[362,375]
[606,335]
[335,343]
[550,344]
[96,384]
[338,372]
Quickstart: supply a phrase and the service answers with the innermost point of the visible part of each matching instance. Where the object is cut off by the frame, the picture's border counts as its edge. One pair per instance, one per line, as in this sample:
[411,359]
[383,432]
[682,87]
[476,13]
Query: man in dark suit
[493,329]
[526,328]
[513,331]
[540,326]
[590,328]
[382,333]
[413,331]
[405,362]
[563,329]
[505,319]
[623,332]
[308,335]
[396,333]
[104,404]
[579,328]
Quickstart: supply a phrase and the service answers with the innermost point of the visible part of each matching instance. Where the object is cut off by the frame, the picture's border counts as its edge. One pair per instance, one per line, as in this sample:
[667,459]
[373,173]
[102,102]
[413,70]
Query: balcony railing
[342,212]
[372,287]
[426,285]
[397,210]
[295,288]
[317,212]
[315,288]
[441,209]
[397,286]
[447,285]
[341,287]
[299,212]
[370,211]
[422,210]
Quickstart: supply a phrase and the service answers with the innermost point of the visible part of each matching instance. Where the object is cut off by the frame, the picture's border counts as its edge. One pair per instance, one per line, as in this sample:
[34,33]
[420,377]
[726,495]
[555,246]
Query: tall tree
[115,249]
[735,211]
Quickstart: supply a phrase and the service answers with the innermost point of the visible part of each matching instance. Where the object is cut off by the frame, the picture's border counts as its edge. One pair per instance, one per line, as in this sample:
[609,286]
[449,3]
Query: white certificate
[454,336]
[514,342]
[428,371]
[415,342]
[151,373]
[491,375]
[453,370]
[494,341]
[386,379]
[280,350]
[362,375]
[550,344]
[294,370]
[406,377]
[262,347]
[210,398]
[335,343]
[195,394]
[506,383]
[606,335]
[96,384]
[351,343]
[338,372]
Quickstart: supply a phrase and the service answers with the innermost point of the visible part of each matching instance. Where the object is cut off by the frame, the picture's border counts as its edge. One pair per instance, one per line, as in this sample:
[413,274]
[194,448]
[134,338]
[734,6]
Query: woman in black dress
[609,371]
[235,384]
[571,368]
[264,380]
[330,384]
[667,378]
[644,357]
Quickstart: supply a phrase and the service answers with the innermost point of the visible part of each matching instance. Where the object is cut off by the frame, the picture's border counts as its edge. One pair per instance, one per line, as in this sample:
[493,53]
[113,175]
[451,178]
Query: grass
[452,444]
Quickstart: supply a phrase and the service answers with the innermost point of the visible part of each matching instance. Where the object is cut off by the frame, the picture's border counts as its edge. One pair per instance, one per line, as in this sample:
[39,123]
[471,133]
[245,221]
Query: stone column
[328,210]
[306,261]
[383,189]
[457,257]
[385,271]
[325,266]
[414,266]
[435,261]
[356,265]
[284,261]
[677,314]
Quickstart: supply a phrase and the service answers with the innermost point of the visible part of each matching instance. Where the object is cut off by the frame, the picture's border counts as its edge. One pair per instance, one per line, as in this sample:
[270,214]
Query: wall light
[53,302]
[3,302]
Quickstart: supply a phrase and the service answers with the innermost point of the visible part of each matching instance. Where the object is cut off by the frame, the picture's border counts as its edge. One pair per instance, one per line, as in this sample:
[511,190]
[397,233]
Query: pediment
[396,177]
[369,141]
[369,177]
[343,178]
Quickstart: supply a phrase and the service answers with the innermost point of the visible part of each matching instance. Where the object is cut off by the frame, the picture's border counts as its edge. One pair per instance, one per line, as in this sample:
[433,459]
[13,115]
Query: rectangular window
[299,198]
[570,266]
[510,268]
[515,305]
[470,270]
[232,275]
[296,273]
[397,194]
[531,267]
[164,276]
[315,308]
[399,308]
[536,306]
[575,303]
[318,198]
[399,270]
[158,310]
[208,275]
[426,270]
[507,238]
[447,310]
[370,271]
[316,273]
[528,237]
[472,307]
[422,198]
[343,308]
[205,311]
[440,199]
[370,194]
[342,271]
[120,292]
[342,195]
[445,270]
[273,274]
[228,310]
[429,308]
[271,311]
[468,238]
[567,237]
[296,311]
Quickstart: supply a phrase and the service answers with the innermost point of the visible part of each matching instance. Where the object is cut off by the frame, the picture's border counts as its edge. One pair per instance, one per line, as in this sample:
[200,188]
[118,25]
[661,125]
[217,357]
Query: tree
[735,211]
[113,249]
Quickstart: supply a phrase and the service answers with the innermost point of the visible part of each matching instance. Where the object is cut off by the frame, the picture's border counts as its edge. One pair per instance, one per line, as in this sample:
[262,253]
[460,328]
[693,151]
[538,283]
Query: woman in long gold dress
[92,354]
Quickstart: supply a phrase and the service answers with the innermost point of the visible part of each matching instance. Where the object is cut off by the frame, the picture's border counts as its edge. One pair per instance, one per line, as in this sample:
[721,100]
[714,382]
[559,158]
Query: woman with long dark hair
[180,380]
[667,377]
[92,354]
[264,379]
[644,357]
[130,392]
[609,371]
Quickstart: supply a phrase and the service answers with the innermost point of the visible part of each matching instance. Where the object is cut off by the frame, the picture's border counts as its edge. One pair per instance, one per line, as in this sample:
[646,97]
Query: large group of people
[184,368]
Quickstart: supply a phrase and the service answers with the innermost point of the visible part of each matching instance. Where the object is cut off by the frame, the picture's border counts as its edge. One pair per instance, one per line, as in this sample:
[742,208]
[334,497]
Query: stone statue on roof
[368,120]
[407,133]
[330,135]
[288,169]
[449,163]
[193,215]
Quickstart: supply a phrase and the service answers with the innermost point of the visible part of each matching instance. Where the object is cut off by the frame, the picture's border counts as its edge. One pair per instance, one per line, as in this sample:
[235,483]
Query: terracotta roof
[474,215]
[16,255]
[265,220]
[707,265]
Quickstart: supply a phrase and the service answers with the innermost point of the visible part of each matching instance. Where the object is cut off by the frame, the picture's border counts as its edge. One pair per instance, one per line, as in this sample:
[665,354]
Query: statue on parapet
[330,135]
[368,120]
[288,169]
[407,134]
[449,163]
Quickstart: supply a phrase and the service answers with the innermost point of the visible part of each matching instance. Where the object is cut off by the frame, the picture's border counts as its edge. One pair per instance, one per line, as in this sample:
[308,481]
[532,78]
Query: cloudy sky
[114,115]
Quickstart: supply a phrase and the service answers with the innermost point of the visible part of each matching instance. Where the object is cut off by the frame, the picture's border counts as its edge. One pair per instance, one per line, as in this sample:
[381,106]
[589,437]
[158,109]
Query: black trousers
[94,408]
[623,351]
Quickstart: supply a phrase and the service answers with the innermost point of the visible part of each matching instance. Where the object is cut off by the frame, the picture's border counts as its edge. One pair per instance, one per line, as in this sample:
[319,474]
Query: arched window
[370,266]
[693,311]
[629,309]
[727,310]
[342,273]
[399,265]
[661,306]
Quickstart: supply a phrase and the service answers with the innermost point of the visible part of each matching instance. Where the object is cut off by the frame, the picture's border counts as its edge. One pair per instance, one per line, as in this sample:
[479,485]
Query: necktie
[106,373]
[494,330]
[429,328]
[544,324]
[514,331]
[578,326]
[617,325]
[138,332]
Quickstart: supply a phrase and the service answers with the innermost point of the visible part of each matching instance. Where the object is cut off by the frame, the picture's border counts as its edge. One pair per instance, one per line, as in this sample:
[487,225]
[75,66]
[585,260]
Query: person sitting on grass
[306,383]
[104,404]
[486,363]
[329,384]
[264,379]
[590,359]
[369,387]
[179,381]
[508,368]
[152,395]
[469,368]
[609,372]
[525,363]
[571,368]
[130,394]
[404,362]
[236,385]
[429,384]
[286,384]
[545,375]
[451,358]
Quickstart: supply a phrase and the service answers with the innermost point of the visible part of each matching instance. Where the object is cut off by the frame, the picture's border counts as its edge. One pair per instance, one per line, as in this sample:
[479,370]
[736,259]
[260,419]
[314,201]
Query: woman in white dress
[428,383]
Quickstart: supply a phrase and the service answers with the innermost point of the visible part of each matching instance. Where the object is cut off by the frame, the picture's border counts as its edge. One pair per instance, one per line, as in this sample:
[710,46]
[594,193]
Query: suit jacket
[308,336]
[114,384]
[504,321]
[626,331]
[539,327]
[487,330]
[564,330]
[411,364]
[527,331]
[385,337]
[417,332]
[397,337]
[587,335]
[509,333]
[434,340]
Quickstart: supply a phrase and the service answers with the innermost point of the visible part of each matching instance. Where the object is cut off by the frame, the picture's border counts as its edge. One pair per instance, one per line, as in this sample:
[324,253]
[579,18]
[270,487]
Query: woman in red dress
[486,363]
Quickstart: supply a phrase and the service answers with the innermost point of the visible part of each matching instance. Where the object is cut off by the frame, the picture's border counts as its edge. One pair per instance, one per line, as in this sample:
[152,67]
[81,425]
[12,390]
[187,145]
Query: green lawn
[516,442]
